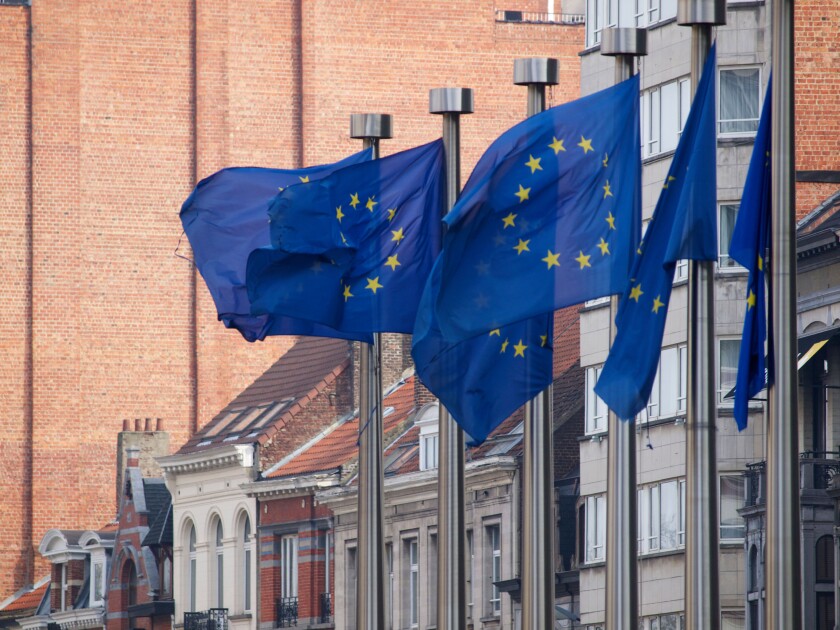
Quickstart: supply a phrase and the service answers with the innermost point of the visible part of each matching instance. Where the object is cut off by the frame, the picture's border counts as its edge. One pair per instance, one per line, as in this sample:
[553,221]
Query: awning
[808,354]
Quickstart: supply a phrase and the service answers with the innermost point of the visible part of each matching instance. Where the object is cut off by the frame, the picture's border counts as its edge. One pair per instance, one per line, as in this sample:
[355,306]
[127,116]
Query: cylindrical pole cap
[624,41]
[691,12]
[371,126]
[536,71]
[451,101]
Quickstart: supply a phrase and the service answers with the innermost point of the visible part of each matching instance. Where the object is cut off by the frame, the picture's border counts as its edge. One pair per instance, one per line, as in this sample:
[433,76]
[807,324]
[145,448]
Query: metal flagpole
[370,593]
[538,466]
[784,580]
[452,604]
[702,593]
[622,601]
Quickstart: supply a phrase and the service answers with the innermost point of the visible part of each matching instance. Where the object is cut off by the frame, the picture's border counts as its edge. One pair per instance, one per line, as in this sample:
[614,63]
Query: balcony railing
[287,612]
[818,470]
[530,17]
[213,619]
[325,607]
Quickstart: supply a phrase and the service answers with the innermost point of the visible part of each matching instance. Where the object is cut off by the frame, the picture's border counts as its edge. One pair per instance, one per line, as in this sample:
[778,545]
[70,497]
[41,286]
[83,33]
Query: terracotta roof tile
[340,446]
[29,600]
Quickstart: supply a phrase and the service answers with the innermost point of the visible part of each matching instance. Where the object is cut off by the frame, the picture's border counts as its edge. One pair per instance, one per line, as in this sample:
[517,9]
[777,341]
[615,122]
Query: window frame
[219,565]
[653,409]
[734,475]
[732,265]
[493,538]
[597,552]
[720,121]
[289,566]
[596,410]
[651,108]
[652,523]
[721,390]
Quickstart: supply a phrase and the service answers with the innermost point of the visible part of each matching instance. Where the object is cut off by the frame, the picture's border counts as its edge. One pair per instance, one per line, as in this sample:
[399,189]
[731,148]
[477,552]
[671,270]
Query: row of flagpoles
[355,248]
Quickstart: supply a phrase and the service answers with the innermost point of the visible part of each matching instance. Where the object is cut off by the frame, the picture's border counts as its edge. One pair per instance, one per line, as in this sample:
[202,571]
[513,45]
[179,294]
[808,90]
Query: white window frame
[429,451]
[600,14]
[219,564]
[247,561]
[721,122]
[596,409]
[389,591]
[722,388]
[493,546]
[288,566]
[654,514]
[743,527]
[97,583]
[675,360]
[654,136]
[596,527]
[655,622]
[413,566]
[725,263]
[469,570]
[192,568]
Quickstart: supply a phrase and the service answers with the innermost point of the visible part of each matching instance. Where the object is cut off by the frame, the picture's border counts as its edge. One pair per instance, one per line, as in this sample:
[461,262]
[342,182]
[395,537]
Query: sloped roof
[818,230]
[337,447]
[160,531]
[26,601]
[254,415]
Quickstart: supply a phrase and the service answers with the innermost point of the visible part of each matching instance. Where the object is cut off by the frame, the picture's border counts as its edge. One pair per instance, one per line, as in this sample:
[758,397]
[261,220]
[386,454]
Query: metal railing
[212,619]
[818,469]
[755,484]
[325,607]
[531,17]
[287,612]
[21,3]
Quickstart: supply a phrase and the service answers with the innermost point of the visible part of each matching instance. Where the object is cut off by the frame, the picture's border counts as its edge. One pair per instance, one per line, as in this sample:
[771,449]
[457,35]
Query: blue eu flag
[482,380]
[225,218]
[684,226]
[549,217]
[353,250]
[750,243]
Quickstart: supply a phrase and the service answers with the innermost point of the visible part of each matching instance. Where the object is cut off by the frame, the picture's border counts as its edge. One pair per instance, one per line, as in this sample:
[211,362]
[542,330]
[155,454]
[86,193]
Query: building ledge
[152,609]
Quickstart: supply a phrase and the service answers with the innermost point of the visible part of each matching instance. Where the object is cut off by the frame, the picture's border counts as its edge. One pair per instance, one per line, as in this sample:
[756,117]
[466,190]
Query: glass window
[727,212]
[192,569]
[97,582]
[413,583]
[753,569]
[167,576]
[220,567]
[596,409]
[131,582]
[389,590]
[740,101]
[668,394]
[825,611]
[596,527]
[494,554]
[352,586]
[599,14]
[731,500]
[469,571]
[732,620]
[825,559]
[433,576]
[247,553]
[664,112]
[671,621]
[727,367]
[660,509]
[288,566]
[429,451]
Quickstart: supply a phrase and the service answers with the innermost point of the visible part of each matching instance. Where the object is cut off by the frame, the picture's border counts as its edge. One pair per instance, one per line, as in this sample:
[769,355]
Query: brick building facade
[110,113]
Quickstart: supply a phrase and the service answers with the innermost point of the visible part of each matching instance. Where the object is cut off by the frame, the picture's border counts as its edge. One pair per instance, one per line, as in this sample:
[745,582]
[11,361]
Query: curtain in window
[739,100]
[728,214]
[731,499]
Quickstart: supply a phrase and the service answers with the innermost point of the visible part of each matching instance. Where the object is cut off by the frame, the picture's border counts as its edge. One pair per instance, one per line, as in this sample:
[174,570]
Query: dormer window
[427,422]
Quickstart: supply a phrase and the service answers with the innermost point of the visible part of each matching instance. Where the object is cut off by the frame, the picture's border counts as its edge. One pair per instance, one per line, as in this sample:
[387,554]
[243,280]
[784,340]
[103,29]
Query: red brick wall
[15,453]
[817,92]
[120,135]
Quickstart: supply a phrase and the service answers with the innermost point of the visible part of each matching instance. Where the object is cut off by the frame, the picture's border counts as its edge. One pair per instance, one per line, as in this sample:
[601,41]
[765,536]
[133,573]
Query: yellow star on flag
[636,292]
[496,331]
[392,262]
[585,144]
[339,214]
[371,203]
[610,220]
[583,260]
[751,300]
[606,160]
[504,346]
[398,235]
[607,190]
[373,284]
[657,304]
[760,263]
[522,193]
[668,181]
[604,247]
[534,164]
[304,179]
[391,213]
[354,200]
[347,294]
[557,145]
[543,340]
[508,221]
[551,259]
[522,246]
[519,349]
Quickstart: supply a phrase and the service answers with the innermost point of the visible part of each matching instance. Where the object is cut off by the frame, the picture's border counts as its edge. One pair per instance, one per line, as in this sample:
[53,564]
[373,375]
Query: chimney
[133,457]
[126,424]
[148,425]
[159,425]
[138,425]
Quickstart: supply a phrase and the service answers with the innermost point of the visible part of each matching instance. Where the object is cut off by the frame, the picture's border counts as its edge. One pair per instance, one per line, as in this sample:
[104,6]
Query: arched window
[220,566]
[191,577]
[130,584]
[753,568]
[825,559]
[247,550]
[166,575]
